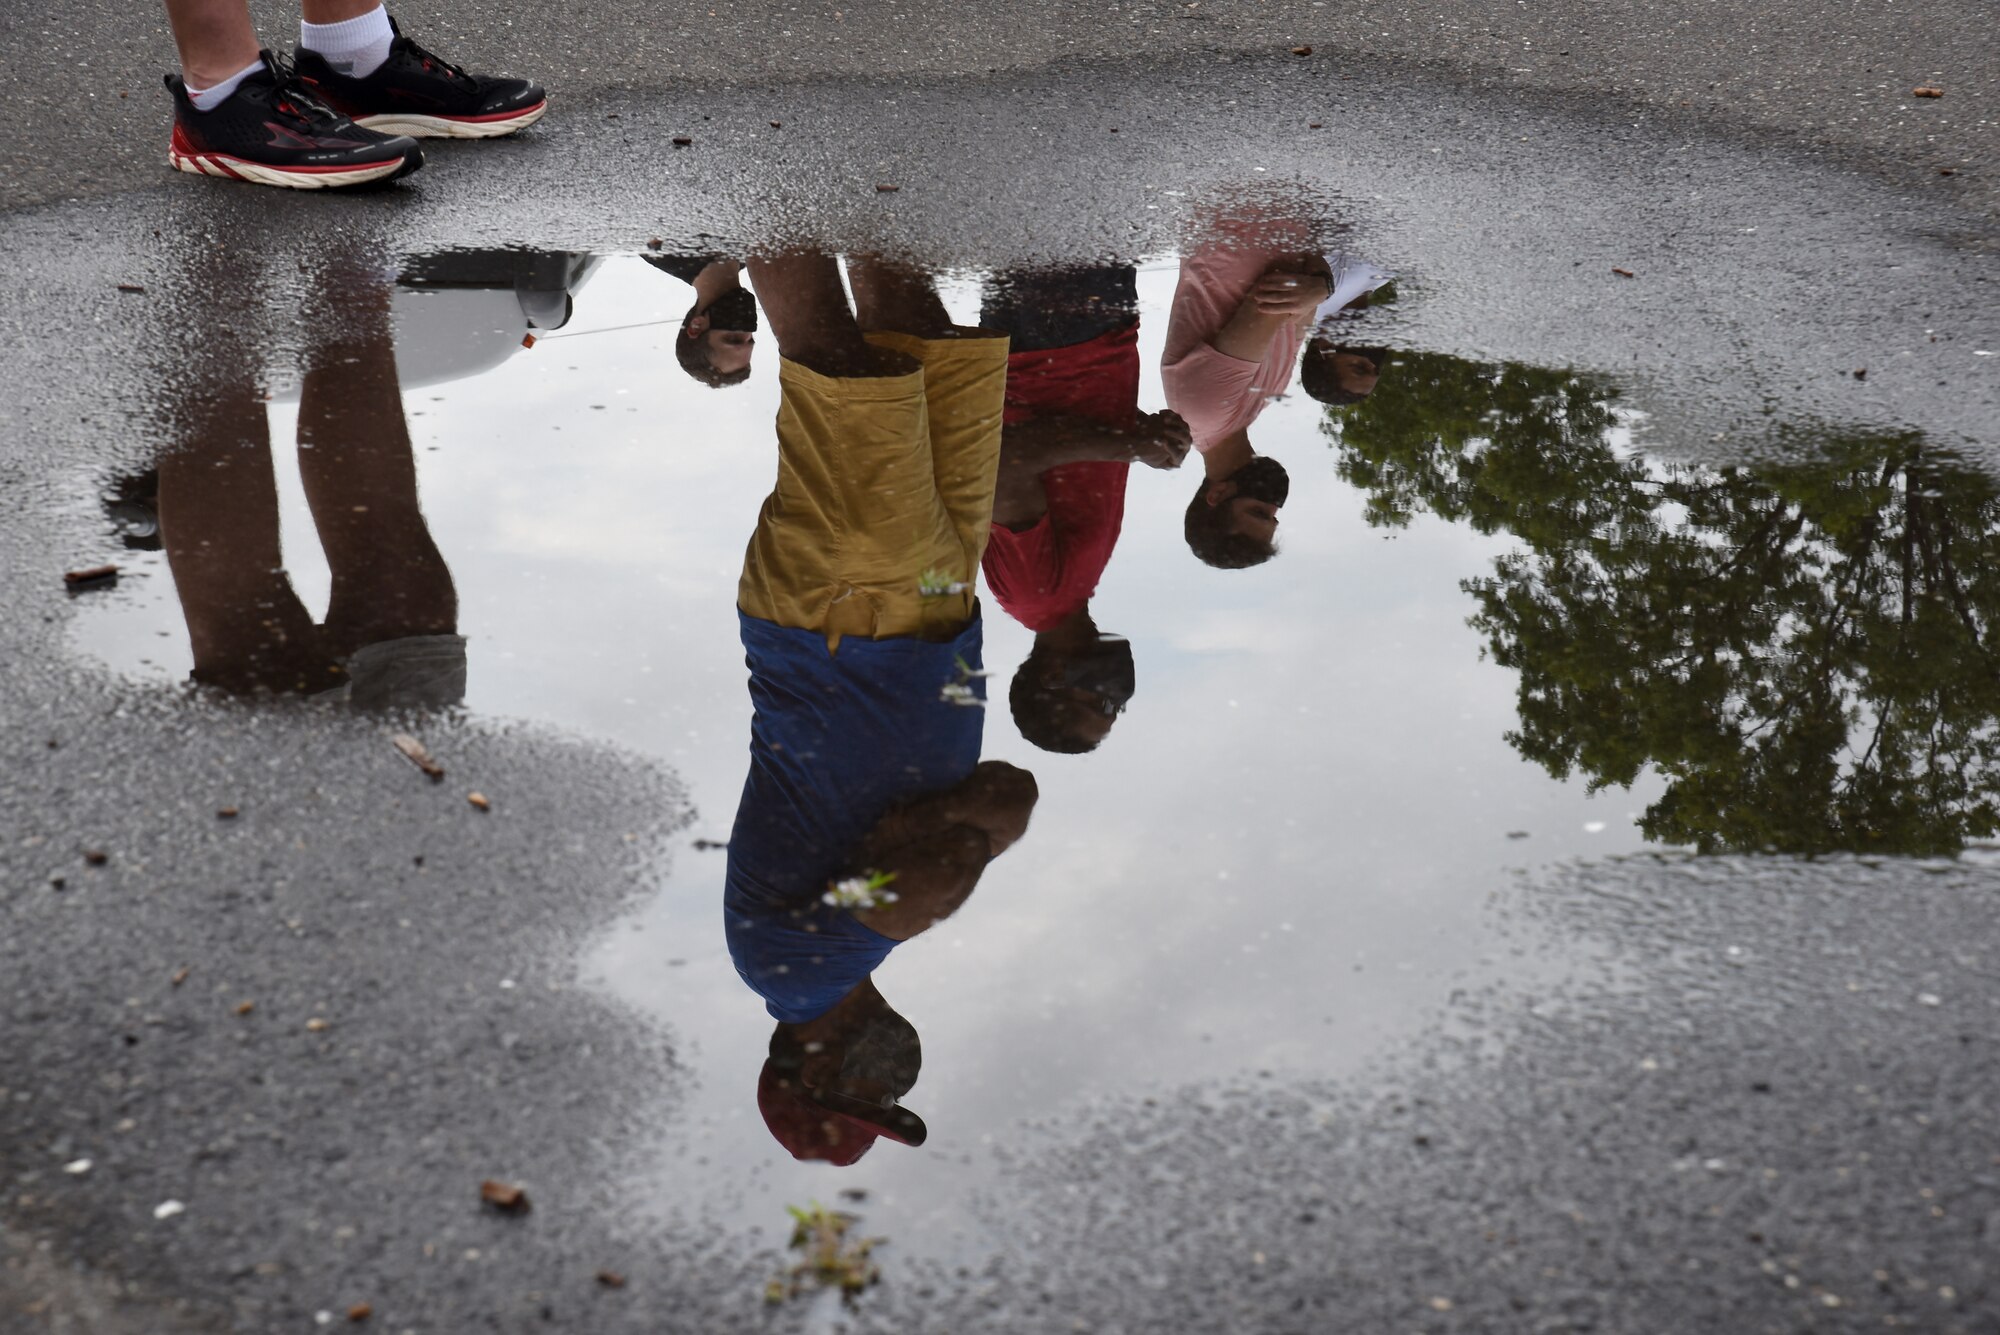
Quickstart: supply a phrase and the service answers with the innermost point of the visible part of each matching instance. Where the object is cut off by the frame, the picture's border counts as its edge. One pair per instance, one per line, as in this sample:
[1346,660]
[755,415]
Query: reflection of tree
[1803,651]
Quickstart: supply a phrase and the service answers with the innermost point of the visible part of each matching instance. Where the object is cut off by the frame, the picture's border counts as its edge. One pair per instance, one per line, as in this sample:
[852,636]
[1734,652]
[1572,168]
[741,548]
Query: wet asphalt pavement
[1736,1093]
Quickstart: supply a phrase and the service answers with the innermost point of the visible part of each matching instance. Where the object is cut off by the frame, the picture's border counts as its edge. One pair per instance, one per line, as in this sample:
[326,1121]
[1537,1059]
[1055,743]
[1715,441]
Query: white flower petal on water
[77,1167]
[168,1209]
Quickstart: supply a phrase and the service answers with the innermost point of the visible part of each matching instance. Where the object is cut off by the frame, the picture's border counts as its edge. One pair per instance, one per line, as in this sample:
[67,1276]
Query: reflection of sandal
[894,1121]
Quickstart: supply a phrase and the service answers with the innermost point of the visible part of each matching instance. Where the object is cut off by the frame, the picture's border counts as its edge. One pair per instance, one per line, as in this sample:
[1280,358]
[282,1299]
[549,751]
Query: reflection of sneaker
[417,93]
[274,132]
[133,506]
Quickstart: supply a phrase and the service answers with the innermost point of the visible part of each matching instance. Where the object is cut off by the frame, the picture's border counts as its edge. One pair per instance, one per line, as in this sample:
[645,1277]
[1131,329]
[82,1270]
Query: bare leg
[389,579]
[807,309]
[335,11]
[215,38]
[219,525]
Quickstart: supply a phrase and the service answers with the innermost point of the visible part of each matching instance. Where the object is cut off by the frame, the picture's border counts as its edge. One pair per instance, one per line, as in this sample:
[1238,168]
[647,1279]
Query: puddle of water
[1323,769]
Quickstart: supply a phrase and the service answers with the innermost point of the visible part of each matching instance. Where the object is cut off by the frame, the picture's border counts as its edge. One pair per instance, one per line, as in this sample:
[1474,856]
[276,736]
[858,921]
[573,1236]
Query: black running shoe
[273,131]
[426,96]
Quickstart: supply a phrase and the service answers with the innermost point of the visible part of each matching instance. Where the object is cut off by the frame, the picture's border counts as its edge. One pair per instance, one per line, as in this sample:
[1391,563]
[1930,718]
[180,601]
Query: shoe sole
[453,127]
[290,178]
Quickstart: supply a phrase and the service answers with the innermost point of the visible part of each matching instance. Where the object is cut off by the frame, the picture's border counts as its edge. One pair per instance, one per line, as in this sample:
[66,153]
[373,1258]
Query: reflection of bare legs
[219,524]
[964,409]
[808,313]
[389,579]
[894,299]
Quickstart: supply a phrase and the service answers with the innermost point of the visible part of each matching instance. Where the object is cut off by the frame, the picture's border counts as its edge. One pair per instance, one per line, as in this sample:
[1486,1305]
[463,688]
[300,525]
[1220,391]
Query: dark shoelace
[293,97]
[435,63]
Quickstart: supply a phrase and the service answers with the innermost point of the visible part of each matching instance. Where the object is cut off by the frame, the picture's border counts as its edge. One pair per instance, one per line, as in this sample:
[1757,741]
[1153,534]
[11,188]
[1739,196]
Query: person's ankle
[207,96]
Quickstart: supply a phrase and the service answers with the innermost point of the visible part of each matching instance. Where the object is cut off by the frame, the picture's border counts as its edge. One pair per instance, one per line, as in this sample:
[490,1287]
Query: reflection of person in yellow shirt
[888,448]
[862,636]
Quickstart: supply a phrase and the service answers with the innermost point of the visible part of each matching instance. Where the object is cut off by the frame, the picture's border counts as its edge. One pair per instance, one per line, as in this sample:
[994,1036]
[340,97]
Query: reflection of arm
[1278,300]
[937,846]
[1029,449]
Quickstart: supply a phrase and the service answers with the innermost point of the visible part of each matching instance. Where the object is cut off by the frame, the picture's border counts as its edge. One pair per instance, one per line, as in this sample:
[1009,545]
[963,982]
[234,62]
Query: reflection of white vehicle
[465,311]
[461,312]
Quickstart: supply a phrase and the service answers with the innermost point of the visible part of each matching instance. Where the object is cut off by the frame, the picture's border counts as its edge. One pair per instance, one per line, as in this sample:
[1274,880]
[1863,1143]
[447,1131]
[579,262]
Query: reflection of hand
[1158,440]
[1288,294]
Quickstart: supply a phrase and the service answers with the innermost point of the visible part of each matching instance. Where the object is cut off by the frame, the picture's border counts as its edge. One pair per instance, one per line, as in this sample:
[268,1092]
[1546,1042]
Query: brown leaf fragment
[418,755]
[1927,91]
[682,140]
[479,801]
[227,813]
[180,976]
[360,1312]
[90,576]
[504,1196]
[887,189]
[131,287]
[245,1007]
[96,857]
[611,1279]
[1302,50]
[1623,273]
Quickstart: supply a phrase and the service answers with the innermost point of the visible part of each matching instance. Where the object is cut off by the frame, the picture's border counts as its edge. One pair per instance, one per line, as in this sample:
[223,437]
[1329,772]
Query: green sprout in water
[860,892]
[934,583]
[831,1259]
[960,692]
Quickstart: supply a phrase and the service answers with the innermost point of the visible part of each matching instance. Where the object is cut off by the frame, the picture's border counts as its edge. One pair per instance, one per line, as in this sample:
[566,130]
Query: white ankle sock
[208,99]
[355,47]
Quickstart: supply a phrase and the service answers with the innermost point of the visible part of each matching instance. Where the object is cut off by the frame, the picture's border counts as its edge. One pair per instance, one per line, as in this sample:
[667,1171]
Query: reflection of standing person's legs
[965,384]
[393,613]
[218,503]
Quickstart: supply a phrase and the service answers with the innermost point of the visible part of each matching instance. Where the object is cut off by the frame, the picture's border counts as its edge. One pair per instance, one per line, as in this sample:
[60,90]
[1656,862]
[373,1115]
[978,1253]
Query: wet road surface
[1341,981]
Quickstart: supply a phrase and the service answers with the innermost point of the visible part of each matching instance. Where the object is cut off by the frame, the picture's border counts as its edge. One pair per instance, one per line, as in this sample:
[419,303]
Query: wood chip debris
[479,801]
[245,1007]
[96,857]
[131,287]
[504,1196]
[180,976]
[611,1279]
[1302,50]
[682,141]
[1624,273]
[360,1312]
[418,755]
[227,813]
[1927,91]
[90,576]
[655,244]
[883,189]
[527,340]
[777,125]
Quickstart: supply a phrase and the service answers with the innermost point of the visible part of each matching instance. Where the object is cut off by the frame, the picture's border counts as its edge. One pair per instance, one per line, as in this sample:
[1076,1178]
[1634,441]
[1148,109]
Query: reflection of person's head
[1065,697]
[1232,522]
[715,341]
[1336,374]
[869,1055]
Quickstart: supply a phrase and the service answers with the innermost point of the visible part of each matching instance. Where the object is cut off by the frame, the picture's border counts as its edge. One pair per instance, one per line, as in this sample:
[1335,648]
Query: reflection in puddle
[1245,833]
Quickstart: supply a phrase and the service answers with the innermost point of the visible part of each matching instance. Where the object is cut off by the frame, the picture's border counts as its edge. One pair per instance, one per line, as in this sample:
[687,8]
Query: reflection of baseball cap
[827,1126]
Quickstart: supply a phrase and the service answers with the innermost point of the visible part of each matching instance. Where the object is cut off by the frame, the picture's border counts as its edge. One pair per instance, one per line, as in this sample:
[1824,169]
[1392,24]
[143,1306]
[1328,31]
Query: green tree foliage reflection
[1805,652]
